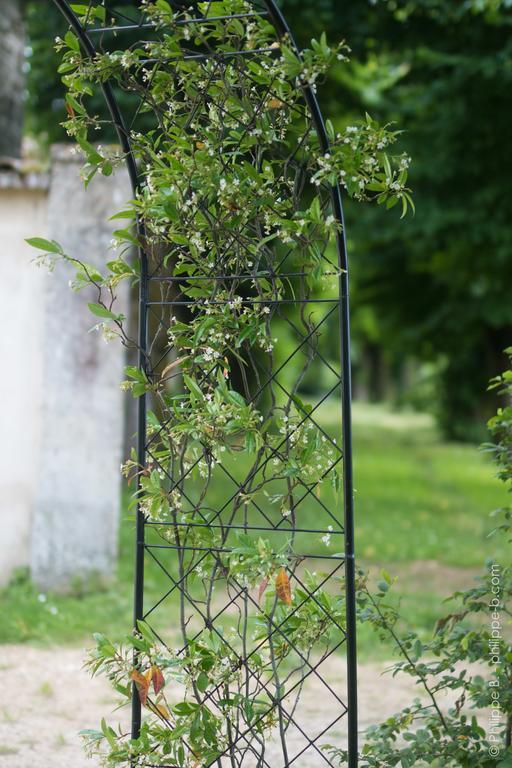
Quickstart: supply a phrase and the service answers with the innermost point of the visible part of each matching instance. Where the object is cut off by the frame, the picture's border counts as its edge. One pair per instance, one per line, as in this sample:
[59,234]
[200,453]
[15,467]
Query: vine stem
[275,673]
[407,656]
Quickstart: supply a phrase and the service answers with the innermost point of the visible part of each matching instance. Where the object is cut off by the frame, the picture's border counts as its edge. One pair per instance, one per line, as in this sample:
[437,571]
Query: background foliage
[435,290]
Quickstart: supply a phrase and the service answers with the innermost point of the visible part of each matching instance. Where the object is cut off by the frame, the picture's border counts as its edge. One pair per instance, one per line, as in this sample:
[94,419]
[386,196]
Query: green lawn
[418,500]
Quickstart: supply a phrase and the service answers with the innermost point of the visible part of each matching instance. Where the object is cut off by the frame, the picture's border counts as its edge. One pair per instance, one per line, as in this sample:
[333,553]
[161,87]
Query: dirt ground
[47,698]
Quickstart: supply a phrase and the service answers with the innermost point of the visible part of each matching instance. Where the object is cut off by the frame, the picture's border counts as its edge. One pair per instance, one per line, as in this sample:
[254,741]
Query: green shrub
[469,655]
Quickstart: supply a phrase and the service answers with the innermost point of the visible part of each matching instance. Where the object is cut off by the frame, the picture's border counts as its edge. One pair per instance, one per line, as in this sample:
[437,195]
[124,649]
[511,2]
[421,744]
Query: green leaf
[293,64]
[250,442]
[89,11]
[164,6]
[417,650]
[329,127]
[202,682]
[315,210]
[146,631]
[184,708]
[387,165]
[50,246]
[193,387]
[236,398]
[100,311]
[90,734]
[196,728]
[93,156]
[72,41]
[108,733]
[123,215]
[178,239]
[375,186]
[74,104]
[125,234]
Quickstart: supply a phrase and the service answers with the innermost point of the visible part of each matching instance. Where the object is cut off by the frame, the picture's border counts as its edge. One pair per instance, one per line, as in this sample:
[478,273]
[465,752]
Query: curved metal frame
[282,30]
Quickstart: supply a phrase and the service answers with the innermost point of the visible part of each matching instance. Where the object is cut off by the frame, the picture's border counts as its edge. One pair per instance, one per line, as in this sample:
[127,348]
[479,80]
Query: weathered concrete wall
[22,213]
[61,418]
[74,531]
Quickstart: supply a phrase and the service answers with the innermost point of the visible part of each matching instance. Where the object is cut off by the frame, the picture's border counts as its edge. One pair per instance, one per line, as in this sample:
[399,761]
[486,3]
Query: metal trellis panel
[155,314]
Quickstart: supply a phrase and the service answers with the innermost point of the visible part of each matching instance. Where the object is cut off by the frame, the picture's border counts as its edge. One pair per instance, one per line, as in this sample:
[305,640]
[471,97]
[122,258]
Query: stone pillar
[74,530]
[23,199]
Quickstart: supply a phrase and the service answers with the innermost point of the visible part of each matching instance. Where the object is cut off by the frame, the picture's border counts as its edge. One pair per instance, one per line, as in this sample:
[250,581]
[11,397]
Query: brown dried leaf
[275,103]
[262,588]
[283,589]
[157,676]
[162,710]
[142,684]
[172,365]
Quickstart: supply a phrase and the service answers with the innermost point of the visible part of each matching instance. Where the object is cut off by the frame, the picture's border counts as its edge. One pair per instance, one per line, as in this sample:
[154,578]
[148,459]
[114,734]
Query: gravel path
[47,698]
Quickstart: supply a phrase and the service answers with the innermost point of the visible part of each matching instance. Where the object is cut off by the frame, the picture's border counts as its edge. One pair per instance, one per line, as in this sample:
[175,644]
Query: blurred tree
[12,34]
[45,98]
[439,283]
[436,286]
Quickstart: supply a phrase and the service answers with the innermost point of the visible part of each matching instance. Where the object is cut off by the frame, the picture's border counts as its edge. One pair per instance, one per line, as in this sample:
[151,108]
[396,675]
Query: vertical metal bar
[138,597]
[282,28]
[348,487]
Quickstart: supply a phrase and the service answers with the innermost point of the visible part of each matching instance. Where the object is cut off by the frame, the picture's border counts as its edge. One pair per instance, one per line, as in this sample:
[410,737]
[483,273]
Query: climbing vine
[234,205]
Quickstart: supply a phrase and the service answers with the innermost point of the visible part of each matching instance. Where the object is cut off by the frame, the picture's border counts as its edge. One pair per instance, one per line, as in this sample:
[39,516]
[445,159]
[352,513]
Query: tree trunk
[12,35]
[376,372]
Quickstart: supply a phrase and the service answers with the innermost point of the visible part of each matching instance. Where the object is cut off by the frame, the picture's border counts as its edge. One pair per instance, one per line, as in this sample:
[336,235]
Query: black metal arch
[86,35]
